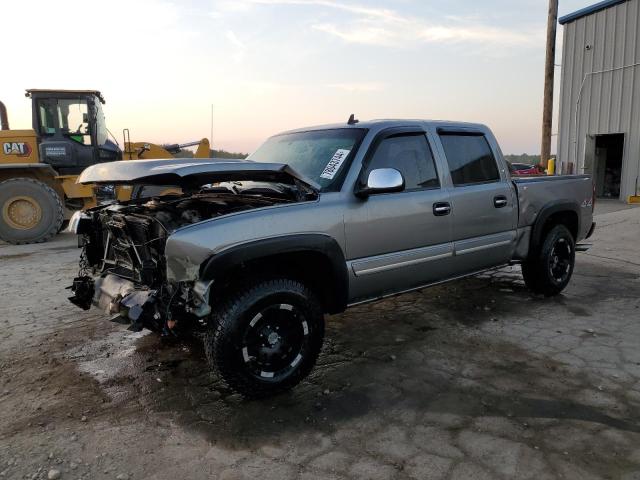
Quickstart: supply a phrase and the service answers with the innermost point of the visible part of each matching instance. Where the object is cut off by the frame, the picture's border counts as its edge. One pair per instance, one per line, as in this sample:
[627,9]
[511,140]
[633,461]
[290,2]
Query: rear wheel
[549,270]
[267,337]
[30,211]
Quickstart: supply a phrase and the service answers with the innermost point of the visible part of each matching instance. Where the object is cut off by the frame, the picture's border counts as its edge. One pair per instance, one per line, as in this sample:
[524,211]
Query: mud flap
[83,289]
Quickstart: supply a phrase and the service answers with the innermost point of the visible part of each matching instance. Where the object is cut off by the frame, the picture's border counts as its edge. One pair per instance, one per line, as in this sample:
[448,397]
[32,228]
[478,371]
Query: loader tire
[30,211]
[549,269]
[266,338]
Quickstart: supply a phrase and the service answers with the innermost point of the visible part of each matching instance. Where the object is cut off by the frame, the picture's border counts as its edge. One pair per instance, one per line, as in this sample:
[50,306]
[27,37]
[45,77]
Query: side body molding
[335,279]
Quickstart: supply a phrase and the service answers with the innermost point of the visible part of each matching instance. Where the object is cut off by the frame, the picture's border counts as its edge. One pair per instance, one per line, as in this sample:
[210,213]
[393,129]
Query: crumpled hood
[187,172]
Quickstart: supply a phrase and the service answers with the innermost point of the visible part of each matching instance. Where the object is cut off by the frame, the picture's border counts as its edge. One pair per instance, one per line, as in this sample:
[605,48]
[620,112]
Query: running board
[583,247]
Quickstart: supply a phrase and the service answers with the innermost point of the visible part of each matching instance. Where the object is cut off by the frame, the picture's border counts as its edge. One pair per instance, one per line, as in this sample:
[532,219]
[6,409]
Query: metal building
[599,131]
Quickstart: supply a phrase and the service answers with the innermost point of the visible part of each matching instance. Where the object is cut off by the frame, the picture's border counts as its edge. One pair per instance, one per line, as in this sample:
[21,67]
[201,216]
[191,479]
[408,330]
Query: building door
[605,163]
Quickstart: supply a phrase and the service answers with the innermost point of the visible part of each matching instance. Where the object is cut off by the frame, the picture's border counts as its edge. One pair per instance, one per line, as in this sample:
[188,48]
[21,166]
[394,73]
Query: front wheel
[267,337]
[549,270]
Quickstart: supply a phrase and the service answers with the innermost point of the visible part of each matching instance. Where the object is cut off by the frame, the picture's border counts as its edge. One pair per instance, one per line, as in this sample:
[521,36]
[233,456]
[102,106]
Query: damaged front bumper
[140,307]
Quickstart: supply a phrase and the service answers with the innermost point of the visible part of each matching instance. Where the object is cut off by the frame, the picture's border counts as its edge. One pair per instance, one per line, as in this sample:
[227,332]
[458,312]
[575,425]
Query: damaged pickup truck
[252,254]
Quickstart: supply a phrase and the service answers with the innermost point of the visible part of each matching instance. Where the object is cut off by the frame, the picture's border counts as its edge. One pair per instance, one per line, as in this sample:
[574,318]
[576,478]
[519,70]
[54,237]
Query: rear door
[397,241]
[484,207]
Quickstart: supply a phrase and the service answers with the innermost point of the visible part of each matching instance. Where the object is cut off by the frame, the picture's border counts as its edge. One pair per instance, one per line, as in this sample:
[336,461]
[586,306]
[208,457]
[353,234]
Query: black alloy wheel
[275,341]
[549,268]
[561,260]
[267,337]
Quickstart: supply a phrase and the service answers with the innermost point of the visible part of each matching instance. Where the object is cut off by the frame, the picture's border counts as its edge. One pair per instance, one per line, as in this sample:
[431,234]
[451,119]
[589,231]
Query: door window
[46,112]
[73,119]
[69,117]
[470,159]
[409,154]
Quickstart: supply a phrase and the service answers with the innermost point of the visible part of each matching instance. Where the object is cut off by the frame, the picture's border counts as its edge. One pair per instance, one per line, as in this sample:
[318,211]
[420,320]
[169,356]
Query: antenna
[352,120]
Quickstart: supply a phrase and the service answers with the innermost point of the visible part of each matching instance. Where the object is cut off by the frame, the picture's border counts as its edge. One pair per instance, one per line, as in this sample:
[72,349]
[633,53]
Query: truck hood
[189,172]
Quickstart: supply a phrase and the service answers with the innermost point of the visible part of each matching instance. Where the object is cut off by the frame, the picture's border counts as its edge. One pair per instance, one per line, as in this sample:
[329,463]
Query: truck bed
[536,194]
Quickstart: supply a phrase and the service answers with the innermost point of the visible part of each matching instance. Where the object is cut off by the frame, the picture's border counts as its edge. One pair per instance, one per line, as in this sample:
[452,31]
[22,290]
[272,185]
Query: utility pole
[211,137]
[549,71]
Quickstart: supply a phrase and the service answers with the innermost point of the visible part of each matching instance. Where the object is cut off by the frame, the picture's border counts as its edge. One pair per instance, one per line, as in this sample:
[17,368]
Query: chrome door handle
[441,209]
[500,201]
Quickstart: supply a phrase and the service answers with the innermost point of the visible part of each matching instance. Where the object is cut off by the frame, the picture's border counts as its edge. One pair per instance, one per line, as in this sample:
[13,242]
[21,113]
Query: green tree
[213,154]
[225,154]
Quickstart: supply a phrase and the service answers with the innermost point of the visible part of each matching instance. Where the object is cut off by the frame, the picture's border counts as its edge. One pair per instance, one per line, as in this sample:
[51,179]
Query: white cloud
[386,27]
[358,87]
[363,34]
[240,47]
[231,6]
[222,7]
[395,30]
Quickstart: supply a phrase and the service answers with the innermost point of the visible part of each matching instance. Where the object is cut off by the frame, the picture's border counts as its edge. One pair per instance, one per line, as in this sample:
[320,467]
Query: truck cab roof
[382,124]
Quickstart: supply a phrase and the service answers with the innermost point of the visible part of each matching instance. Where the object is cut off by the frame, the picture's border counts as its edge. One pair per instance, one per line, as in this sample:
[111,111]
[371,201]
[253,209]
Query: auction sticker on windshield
[334,164]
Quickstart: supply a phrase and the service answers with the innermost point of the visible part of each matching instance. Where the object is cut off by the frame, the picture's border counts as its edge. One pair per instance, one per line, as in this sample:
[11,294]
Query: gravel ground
[475,379]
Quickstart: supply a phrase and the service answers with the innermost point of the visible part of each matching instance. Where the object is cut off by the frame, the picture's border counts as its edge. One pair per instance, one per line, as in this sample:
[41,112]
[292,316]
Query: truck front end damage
[124,268]
[123,273]
[129,304]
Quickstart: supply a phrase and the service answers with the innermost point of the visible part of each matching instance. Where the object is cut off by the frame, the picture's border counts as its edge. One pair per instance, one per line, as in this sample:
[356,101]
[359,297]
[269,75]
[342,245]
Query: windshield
[321,155]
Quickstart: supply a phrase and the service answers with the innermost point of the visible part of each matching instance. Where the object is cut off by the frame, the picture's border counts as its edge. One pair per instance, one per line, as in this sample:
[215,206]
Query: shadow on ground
[420,353]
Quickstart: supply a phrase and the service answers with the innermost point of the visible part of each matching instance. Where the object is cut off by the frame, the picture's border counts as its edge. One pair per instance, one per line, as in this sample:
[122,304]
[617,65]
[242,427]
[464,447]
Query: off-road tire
[538,271]
[49,202]
[234,321]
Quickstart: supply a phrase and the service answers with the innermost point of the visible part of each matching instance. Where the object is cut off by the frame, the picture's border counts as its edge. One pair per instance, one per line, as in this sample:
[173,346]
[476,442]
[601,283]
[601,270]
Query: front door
[398,241]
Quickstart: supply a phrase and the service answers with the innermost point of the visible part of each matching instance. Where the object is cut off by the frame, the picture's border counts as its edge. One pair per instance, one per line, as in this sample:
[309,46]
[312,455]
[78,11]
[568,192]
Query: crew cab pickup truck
[252,254]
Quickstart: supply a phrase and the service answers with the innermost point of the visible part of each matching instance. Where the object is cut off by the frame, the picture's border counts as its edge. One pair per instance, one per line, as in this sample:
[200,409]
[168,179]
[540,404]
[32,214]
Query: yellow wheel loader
[39,167]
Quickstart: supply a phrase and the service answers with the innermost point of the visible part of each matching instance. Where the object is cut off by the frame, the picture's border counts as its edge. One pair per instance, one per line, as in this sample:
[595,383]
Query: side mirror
[382,180]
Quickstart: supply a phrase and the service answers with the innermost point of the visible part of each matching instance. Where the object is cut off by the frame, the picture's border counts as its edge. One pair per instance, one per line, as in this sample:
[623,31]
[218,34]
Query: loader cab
[71,129]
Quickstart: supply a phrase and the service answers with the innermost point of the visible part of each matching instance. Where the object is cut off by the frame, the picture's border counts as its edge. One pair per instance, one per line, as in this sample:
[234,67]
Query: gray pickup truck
[251,254]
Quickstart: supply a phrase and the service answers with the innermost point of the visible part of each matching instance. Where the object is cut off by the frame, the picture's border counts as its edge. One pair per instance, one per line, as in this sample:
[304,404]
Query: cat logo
[19,149]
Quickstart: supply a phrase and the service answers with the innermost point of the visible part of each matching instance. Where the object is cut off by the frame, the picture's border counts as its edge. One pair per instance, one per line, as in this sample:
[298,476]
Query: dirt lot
[476,379]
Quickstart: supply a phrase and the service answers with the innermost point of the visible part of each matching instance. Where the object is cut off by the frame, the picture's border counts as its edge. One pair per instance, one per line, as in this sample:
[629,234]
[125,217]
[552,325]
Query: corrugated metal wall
[600,88]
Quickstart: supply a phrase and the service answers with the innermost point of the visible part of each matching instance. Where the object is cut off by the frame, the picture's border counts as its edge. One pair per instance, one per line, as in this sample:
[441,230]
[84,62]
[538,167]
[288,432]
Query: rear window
[470,159]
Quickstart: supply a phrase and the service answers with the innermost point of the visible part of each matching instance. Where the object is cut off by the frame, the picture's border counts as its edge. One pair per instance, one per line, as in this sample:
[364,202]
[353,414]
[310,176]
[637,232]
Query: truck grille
[135,249]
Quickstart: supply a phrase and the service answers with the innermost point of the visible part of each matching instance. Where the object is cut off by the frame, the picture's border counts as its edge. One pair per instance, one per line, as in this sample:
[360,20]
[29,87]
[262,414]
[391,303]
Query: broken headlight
[80,223]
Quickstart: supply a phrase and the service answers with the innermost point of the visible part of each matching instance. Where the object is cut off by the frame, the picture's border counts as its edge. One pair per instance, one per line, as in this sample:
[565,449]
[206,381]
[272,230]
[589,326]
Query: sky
[272,65]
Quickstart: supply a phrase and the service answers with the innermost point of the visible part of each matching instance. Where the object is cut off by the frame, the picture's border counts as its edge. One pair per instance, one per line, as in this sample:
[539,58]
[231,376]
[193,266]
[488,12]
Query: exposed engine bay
[123,264]
[128,239]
